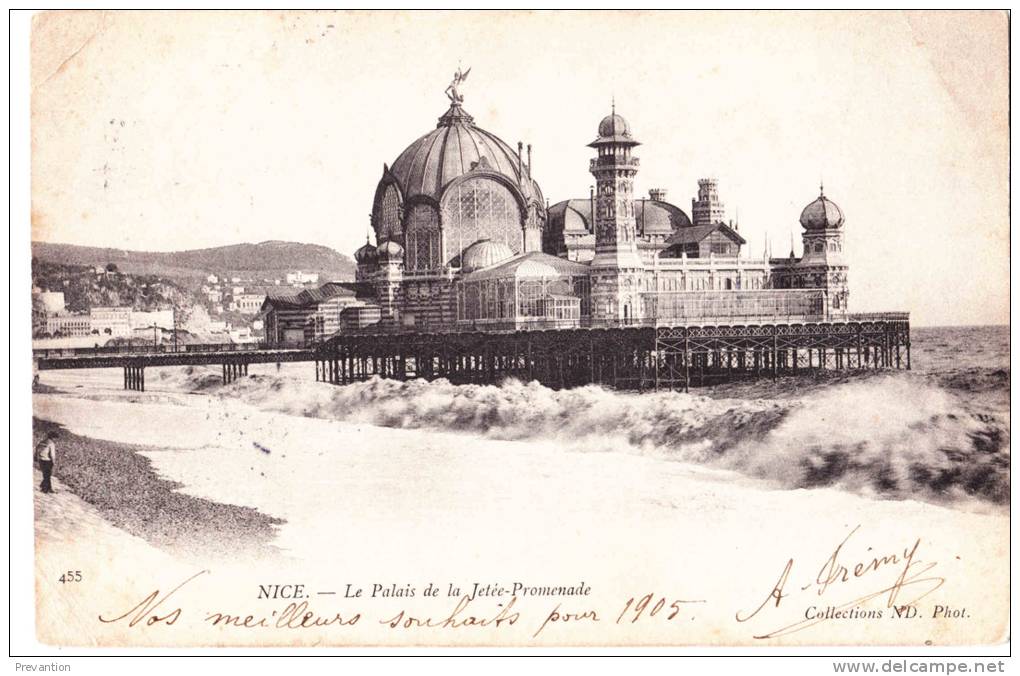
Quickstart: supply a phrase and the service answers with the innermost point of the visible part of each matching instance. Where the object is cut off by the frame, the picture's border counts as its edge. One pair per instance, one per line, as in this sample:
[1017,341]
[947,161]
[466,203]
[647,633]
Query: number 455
[70,576]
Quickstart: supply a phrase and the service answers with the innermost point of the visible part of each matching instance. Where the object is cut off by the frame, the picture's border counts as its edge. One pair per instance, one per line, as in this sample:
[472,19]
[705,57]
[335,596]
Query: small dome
[536,270]
[390,250]
[614,125]
[484,253]
[821,214]
[366,254]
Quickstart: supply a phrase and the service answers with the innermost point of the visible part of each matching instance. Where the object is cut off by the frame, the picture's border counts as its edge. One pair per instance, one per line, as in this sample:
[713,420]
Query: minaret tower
[823,265]
[617,266]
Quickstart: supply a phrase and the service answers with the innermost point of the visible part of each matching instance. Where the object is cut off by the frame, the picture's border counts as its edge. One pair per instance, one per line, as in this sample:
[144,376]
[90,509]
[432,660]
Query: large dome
[452,149]
[452,187]
[821,214]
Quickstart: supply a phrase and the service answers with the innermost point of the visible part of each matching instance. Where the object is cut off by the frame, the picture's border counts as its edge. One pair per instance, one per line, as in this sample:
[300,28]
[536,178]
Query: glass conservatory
[529,291]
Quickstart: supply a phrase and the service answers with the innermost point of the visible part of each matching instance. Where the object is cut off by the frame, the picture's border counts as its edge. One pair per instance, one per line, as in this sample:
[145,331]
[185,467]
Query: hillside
[265,257]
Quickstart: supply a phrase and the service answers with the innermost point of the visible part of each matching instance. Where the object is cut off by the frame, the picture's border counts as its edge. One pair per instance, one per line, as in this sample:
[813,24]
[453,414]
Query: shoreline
[122,486]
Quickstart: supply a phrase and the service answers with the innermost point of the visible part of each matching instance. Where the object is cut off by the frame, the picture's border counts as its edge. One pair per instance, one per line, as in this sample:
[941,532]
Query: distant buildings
[103,321]
[249,303]
[313,314]
[220,294]
[73,325]
[111,321]
[298,278]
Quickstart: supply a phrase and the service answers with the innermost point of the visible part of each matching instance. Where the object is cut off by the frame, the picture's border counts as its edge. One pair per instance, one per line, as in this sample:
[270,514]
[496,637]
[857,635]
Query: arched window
[423,244]
[389,215]
[480,208]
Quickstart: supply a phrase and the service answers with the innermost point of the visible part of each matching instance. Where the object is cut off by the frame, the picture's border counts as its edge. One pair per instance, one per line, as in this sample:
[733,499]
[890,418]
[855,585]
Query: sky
[168,131]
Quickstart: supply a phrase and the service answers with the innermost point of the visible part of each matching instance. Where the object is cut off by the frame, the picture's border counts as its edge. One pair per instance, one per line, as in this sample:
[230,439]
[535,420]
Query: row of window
[506,299]
[820,246]
[474,209]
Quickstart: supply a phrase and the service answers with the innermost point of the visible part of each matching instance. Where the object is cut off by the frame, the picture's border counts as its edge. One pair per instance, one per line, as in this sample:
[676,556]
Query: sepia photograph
[515,330]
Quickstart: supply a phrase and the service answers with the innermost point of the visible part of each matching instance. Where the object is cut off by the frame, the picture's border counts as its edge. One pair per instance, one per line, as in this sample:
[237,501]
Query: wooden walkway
[234,359]
[625,357]
[635,357]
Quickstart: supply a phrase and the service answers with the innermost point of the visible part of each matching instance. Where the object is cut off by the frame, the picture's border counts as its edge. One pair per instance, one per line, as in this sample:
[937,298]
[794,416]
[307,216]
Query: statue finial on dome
[821,188]
[452,91]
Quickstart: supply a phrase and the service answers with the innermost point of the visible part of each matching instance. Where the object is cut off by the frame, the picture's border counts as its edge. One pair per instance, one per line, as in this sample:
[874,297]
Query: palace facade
[466,241]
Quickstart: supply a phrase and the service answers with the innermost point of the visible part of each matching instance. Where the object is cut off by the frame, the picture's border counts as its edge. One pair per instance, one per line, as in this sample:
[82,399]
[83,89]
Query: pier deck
[624,357]
[633,356]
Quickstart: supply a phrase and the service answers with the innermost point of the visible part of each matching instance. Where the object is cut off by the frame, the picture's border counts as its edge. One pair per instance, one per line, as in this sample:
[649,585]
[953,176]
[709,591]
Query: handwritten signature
[910,586]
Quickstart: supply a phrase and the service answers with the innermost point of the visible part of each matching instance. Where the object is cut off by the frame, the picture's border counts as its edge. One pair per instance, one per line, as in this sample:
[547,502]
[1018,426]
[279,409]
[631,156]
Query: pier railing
[165,348]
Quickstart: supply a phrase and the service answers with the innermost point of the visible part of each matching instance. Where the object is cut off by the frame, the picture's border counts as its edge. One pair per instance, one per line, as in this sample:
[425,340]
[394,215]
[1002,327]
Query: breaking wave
[889,436]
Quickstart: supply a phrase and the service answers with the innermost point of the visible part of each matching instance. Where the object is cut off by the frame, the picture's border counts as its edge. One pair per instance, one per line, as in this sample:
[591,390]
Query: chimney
[657,194]
[529,160]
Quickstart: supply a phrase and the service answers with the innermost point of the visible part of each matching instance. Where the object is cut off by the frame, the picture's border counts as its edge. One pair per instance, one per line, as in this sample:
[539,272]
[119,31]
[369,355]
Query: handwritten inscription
[854,581]
[155,609]
[911,583]
[145,610]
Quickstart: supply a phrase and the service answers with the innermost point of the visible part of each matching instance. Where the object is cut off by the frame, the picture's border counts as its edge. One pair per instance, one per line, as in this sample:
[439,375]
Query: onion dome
[614,129]
[821,214]
[455,147]
[391,251]
[484,253]
[367,254]
[612,125]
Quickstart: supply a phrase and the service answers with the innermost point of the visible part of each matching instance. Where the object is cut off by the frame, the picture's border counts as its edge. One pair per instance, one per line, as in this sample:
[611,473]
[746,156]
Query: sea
[938,433]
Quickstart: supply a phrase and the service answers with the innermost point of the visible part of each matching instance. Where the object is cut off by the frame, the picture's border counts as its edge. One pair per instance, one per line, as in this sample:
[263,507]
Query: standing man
[46,453]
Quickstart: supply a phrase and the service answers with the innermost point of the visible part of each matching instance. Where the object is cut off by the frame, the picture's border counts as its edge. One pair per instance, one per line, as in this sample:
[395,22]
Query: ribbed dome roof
[391,250]
[653,217]
[535,269]
[821,214]
[452,149]
[366,254]
[614,125]
[484,253]
[614,130]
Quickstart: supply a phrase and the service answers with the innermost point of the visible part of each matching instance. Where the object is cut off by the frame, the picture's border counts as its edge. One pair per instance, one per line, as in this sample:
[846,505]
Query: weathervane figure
[452,90]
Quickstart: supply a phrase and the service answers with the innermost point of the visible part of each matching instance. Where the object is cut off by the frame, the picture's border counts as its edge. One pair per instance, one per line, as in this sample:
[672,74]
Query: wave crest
[889,436]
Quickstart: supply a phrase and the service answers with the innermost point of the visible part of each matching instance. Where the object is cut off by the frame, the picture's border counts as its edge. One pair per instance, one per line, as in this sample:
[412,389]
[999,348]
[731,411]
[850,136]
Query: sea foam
[889,436]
